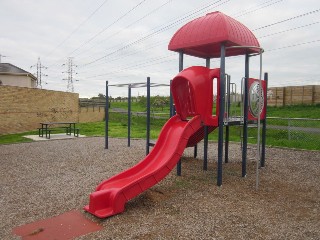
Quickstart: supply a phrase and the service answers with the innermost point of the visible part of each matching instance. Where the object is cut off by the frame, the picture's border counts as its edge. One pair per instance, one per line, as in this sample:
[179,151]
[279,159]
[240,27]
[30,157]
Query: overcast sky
[126,41]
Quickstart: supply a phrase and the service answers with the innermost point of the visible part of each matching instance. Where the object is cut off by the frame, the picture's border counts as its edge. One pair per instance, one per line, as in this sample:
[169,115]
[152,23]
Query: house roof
[10,69]
[203,36]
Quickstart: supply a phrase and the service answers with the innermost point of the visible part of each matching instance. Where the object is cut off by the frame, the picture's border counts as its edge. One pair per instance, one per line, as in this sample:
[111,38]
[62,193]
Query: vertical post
[226,150]
[313,94]
[264,125]
[180,69]
[206,135]
[171,101]
[129,113]
[195,151]
[221,113]
[205,149]
[245,117]
[106,142]
[148,116]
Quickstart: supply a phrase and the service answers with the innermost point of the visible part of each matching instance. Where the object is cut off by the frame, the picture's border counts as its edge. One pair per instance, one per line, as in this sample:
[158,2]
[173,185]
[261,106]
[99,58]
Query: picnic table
[48,127]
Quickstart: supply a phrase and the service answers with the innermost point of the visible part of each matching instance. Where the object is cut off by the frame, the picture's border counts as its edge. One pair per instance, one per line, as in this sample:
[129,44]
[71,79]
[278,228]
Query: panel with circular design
[255,92]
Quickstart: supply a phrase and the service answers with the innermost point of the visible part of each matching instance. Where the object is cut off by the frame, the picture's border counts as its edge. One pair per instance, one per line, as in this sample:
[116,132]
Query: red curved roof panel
[203,36]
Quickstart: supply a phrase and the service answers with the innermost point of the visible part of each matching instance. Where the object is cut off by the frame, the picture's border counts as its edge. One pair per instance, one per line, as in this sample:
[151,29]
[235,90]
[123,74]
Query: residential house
[14,76]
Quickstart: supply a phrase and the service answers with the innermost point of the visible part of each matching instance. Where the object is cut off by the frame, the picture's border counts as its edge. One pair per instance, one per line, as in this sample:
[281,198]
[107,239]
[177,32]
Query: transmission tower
[71,72]
[2,56]
[39,73]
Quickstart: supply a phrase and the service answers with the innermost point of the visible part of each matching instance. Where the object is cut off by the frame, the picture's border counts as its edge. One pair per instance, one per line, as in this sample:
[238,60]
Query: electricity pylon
[71,72]
[39,73]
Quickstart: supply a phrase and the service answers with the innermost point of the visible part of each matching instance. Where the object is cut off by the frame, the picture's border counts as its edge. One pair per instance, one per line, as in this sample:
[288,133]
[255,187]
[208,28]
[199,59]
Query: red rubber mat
[65,226]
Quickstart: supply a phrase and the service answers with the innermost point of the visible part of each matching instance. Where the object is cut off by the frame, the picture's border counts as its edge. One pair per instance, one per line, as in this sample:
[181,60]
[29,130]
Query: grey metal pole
[106,144]
[221,113]
[206,135]
[171,101]
[180,69]
[264,126]
[195,151]
[148,116]
[245,117]
[226,151]
[129,114]
[205,149]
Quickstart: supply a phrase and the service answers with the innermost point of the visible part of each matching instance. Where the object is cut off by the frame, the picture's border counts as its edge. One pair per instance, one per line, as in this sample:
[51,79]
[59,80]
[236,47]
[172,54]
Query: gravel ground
[45,179]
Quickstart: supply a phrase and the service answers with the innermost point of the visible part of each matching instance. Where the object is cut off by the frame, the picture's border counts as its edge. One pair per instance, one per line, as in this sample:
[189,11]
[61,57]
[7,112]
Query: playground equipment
[217,35]
[148,85]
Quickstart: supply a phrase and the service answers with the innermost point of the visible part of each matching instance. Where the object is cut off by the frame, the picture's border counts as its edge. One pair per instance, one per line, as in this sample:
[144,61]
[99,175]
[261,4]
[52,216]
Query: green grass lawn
[119,122]
[16,138]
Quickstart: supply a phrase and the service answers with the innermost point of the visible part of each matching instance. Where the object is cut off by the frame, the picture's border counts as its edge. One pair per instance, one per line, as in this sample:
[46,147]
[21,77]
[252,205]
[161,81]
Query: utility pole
[39,73]
[70,71]
[1,56]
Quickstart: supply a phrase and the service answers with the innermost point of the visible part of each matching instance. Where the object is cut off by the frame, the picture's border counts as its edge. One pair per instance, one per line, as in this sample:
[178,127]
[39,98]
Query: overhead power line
[293,45]
[126,27]
[106,28]
[286,20]
[179,19]
[288,30]
[78,27]
[268,4]
[149,62]
[154,32]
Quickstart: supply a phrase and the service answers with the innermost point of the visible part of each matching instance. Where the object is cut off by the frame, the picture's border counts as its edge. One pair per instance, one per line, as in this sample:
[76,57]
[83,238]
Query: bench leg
[68,130]
[48,132]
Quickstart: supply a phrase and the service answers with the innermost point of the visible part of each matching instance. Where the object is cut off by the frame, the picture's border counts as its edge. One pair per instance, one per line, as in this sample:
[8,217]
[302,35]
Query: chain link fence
[294,132]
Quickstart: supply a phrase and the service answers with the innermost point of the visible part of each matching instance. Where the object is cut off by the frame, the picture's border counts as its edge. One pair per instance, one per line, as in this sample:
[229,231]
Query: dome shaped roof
[203,36]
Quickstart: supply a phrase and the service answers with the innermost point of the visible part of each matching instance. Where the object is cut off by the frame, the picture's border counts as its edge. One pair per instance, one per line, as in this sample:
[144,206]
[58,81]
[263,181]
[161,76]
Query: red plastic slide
[112,194]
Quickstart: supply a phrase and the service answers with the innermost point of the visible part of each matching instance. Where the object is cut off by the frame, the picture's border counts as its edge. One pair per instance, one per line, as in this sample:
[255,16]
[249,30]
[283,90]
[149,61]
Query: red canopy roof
[203,36]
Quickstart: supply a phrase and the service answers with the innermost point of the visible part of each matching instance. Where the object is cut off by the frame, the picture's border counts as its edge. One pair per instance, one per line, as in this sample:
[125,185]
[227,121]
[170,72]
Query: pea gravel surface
[40,180]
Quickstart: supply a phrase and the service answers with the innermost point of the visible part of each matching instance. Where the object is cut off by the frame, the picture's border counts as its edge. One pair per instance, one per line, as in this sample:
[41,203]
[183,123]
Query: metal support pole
[245,117]
[129,113]
[206,135]
[264,126]
[180,69]
[195,151]
[106,143]
[171,102]
[221,113]
[226,150]
[148,116]
[205,149]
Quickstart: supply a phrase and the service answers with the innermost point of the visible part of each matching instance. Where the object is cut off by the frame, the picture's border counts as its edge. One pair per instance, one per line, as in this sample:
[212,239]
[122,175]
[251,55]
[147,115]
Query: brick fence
[22,109]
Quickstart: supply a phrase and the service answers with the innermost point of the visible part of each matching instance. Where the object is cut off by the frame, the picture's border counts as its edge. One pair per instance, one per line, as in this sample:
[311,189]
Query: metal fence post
[129,114]
[106,145]
[148,116]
